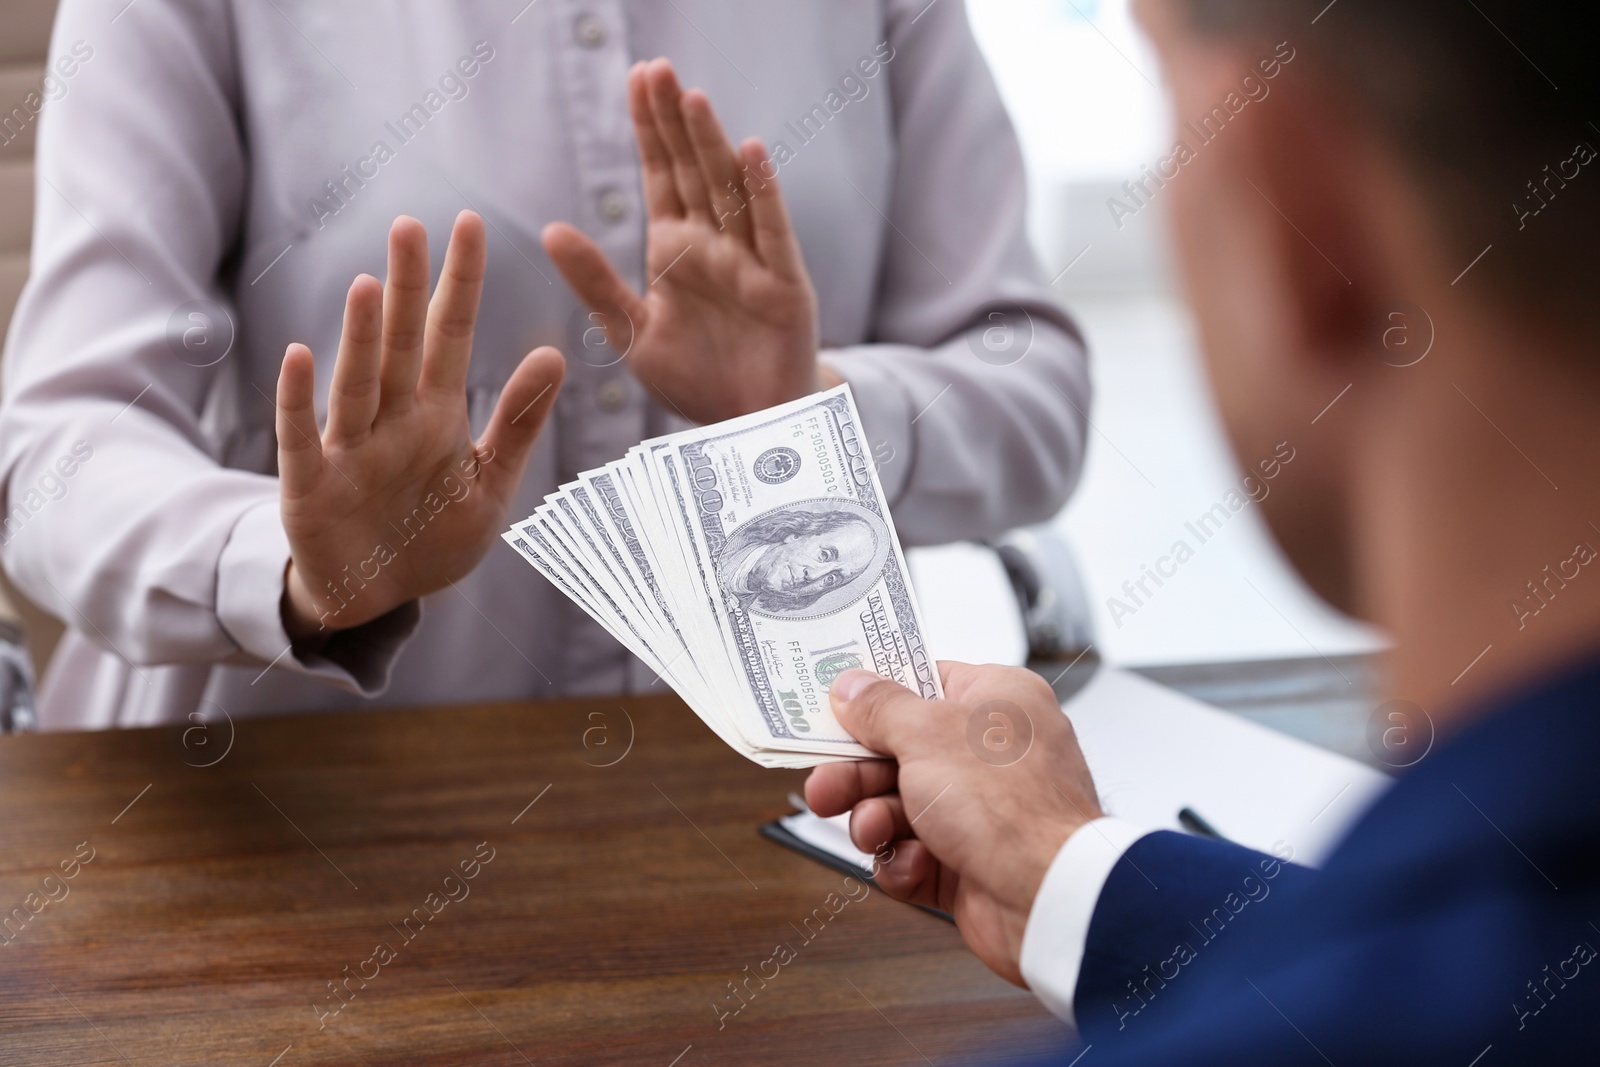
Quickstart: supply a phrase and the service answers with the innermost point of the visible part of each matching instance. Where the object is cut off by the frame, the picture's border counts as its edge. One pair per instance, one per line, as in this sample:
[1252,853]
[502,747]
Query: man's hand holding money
[968,835]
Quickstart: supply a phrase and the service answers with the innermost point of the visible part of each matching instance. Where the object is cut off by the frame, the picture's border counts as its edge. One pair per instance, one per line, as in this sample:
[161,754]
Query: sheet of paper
[1154,751]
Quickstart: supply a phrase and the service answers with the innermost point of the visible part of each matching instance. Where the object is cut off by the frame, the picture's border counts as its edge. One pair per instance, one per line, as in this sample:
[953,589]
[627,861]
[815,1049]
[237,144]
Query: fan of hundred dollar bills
[749,564]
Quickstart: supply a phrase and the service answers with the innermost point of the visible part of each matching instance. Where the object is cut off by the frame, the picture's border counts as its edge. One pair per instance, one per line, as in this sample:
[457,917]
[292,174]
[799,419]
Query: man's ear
[1319,182]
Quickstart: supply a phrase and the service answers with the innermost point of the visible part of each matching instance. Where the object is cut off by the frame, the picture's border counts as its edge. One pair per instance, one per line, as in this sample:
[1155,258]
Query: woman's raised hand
[727,323]
[394,500]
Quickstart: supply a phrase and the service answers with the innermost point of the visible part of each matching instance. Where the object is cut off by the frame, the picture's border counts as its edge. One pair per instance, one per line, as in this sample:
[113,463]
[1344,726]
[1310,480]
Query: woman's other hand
[727,324]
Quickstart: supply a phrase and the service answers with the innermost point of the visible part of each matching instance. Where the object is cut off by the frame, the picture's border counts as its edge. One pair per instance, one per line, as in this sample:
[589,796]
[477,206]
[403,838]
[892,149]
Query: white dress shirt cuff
[250,576]
[886,414]
[1058,924]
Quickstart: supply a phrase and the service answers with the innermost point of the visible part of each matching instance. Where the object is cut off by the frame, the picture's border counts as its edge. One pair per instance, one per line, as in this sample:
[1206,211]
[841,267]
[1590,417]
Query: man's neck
[1480,536]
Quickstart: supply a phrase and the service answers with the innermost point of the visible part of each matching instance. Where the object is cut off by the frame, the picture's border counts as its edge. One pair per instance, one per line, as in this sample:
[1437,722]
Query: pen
[1191,821]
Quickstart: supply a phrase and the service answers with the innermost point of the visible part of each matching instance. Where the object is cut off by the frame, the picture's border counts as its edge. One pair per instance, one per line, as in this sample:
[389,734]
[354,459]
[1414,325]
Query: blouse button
[612,205]
[590,31]
[613,395]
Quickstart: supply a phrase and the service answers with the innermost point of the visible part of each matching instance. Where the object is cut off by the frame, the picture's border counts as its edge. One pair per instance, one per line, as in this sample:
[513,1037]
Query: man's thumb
[849,684]
[869,708]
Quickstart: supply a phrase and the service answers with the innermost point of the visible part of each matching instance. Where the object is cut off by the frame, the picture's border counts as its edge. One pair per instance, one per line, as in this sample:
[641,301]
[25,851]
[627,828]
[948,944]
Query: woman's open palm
[394,499]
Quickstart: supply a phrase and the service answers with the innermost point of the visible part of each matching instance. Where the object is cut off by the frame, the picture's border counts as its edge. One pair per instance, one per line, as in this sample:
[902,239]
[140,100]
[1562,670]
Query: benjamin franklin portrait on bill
[804,559]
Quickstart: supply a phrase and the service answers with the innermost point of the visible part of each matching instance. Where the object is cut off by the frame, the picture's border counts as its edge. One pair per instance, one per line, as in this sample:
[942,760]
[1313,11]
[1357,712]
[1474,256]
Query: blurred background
[1089,107]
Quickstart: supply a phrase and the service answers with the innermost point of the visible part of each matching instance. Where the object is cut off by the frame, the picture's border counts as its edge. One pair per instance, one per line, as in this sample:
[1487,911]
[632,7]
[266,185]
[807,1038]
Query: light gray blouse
[218,171]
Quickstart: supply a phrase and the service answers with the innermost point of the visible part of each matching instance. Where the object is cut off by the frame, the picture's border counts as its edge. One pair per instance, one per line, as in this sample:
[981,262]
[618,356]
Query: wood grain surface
[240,871]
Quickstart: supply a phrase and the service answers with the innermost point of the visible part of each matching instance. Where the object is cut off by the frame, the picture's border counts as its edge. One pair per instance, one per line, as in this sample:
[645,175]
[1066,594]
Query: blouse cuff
[250,577]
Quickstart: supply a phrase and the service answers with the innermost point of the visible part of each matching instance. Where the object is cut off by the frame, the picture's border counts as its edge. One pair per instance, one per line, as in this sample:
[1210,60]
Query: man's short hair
[1477,98]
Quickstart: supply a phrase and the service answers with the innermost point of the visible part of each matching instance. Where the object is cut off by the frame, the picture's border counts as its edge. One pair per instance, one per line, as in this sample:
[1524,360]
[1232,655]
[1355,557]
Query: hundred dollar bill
[799,563]
[748,564]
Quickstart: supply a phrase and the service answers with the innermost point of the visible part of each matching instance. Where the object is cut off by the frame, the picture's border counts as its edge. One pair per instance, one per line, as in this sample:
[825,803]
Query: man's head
[1422,171]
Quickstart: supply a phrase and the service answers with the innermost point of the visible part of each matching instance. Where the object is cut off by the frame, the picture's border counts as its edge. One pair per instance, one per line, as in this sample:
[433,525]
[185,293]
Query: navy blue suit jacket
[1458,923]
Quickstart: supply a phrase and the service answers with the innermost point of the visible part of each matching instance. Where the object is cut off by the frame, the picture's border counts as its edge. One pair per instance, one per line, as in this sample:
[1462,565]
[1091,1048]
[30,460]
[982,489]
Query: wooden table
[242,871]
